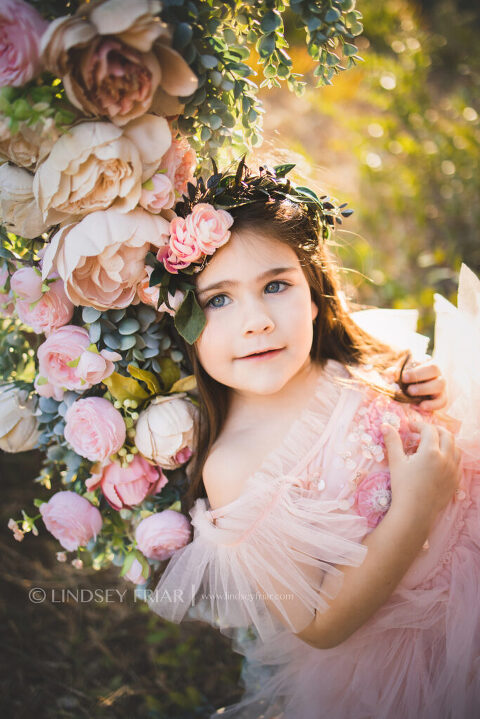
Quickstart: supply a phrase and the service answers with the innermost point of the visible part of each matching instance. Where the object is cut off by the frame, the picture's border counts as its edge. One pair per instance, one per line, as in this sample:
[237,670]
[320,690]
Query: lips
[262,353]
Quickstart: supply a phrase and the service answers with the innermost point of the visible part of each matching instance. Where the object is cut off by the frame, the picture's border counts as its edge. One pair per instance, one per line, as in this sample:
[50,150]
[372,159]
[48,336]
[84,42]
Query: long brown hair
[335,335]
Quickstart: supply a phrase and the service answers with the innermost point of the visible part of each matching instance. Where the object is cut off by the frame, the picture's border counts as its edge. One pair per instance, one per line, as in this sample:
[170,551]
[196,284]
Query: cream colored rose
[101,259]
[96,165]
[19,211]
[115,58]
[29,145]
[18,425]
[165,430]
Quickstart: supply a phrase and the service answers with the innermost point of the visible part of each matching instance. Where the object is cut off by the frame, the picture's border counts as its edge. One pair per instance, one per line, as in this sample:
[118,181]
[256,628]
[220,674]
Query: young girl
[338,544]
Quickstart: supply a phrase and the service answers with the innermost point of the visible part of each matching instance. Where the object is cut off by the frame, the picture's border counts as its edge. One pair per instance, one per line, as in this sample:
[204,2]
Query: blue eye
[211,302]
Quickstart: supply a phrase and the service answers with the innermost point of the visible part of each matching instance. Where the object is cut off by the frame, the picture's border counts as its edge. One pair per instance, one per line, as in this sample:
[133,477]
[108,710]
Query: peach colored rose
[160,535]
[179,163]
[175,301]
[134,574]
[18,208]
[165,430]
[101,258]
[50,312]
[71,519]
[157,194]
[21,28]
[27,284]
[208,226]
[94,428]
[96,165]
[115,60]
[146,294]
[128,486]
[29,144]
[18,424]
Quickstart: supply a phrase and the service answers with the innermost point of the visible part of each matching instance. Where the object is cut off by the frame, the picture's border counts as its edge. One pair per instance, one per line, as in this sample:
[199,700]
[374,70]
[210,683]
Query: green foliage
[217,40]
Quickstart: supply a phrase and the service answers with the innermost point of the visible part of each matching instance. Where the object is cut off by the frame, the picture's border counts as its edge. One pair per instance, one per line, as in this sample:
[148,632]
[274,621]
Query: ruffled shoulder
[262,562]
[457,352]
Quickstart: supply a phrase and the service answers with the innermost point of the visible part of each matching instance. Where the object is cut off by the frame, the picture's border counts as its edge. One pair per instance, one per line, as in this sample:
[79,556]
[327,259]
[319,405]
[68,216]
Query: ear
[314,311]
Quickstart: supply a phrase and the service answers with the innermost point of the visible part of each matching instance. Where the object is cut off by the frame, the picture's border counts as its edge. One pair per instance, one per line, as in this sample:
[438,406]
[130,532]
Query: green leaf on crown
[190,318]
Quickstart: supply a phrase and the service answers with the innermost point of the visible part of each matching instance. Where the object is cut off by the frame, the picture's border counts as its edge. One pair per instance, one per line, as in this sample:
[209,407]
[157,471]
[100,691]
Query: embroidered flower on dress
[373,497]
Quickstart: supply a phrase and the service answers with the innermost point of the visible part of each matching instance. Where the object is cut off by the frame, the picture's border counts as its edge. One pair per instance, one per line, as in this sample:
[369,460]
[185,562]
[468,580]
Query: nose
[257,319]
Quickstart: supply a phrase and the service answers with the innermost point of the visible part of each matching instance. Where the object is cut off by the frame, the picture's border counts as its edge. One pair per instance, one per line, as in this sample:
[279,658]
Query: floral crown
[202,223]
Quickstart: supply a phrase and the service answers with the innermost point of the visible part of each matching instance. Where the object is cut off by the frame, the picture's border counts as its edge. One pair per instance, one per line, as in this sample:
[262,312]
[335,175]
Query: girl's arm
[422,485]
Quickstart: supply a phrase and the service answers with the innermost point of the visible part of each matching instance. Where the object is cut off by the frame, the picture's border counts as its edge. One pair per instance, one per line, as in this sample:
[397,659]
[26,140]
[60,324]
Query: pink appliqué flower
[368,420]
[373,497]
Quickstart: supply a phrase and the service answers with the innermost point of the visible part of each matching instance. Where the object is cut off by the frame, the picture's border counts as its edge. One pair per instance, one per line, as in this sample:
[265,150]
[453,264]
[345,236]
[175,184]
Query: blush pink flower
[65,362]
[94,428]
[27,284]
[161,534]
[179,163]
[127,487]
[373,497]
[52,311]
[71,519]
[208,227]
[157,193]
[21,29]
[171,262]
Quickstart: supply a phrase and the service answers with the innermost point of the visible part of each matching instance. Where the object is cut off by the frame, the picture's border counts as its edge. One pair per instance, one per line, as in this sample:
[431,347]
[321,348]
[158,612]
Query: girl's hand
[423,483]
[425,380]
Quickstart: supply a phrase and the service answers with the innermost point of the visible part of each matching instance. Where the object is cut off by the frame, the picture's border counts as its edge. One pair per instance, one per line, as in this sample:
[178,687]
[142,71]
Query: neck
[296,392]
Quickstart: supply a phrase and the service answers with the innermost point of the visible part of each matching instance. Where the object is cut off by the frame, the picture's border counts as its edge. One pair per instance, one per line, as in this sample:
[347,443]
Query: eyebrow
[234,283]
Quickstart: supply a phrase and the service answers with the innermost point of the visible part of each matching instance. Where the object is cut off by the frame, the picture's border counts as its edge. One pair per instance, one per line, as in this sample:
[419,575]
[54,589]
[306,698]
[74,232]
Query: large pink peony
[127,487]
[66,362]
[52,311]
[115,60]
[161,534]
[94,428]
[71,519]
[102,258]
[21,29]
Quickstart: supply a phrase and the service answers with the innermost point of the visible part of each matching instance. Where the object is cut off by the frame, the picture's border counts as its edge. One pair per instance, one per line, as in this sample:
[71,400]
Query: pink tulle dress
[254,568]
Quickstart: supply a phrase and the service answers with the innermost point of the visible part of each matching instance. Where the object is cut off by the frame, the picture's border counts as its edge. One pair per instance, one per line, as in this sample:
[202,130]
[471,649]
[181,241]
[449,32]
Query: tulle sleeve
[457,352]
[262,561]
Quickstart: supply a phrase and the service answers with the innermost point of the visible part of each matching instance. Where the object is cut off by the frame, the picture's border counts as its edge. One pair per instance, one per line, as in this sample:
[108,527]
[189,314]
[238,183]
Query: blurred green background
[397,138]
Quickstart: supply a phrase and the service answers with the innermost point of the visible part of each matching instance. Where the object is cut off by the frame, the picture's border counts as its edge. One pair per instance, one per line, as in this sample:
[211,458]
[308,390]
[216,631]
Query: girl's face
[255,297]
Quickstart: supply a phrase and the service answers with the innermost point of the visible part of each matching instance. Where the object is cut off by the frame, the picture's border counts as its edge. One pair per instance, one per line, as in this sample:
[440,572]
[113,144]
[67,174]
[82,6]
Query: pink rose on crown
[209,227]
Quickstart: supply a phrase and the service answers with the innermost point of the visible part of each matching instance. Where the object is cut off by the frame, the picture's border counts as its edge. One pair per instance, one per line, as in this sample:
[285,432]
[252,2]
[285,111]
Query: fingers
[429,437]
[393,443]
[422,372]
[434,388]
[433,404]
[446,440]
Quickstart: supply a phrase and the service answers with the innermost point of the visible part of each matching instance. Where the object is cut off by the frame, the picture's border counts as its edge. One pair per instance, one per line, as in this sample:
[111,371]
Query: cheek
[213,342]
